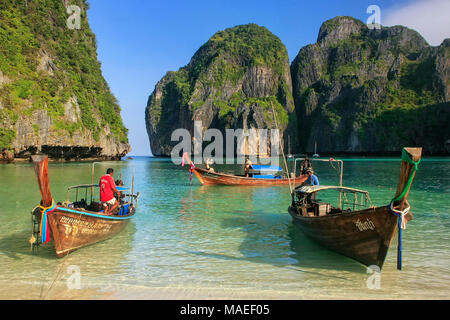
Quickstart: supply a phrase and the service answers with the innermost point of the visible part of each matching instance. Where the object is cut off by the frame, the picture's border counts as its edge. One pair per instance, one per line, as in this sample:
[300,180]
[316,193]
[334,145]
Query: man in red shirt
[107,189]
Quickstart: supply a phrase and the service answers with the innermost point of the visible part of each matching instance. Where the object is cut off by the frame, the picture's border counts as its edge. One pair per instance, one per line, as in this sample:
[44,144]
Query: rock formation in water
[53,97]
[372,91]
[355,91]
[230,83]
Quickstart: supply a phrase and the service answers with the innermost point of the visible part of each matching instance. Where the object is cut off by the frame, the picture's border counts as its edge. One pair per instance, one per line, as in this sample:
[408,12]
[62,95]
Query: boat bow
[39,215]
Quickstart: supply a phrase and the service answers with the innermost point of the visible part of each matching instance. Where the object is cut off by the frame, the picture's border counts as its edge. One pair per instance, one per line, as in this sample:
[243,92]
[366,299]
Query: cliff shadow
[426,126]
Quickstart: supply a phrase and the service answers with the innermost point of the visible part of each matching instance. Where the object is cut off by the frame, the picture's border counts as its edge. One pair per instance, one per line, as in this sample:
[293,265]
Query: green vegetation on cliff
[47,64]
[356,90]
[254,45]
[361,90]
[230,82]
[225,58]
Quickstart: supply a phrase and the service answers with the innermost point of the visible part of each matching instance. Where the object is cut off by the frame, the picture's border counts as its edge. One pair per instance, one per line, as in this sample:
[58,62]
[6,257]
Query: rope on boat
[282,151]
[401,225]
[402,214]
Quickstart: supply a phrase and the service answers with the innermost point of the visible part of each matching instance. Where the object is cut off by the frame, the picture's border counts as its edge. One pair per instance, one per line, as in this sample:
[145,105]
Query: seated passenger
[248,165]
[305,165]
[208,163]
[312,178]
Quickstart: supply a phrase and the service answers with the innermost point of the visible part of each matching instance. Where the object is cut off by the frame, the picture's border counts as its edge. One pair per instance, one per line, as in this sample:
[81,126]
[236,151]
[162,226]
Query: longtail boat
[72,225]
[207,177]
[210,177]
[355,228]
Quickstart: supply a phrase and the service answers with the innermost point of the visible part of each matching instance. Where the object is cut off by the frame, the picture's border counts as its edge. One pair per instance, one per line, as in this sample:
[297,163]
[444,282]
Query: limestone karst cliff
[53,97]
[371,91]
[230,83]
[355,90]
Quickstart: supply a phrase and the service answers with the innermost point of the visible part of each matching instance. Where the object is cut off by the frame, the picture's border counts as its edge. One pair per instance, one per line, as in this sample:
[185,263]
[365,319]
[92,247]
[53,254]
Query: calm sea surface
[228,242]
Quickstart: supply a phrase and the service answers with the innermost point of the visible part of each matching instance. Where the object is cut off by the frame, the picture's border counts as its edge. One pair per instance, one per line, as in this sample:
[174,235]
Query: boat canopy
[267,176]
[266,168]
[125,190]
[313,189]
[121,188]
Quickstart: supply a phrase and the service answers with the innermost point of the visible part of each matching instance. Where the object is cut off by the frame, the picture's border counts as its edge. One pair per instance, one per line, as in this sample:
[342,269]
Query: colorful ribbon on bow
[192,167]
[401,214]
[191,171]
[44,229]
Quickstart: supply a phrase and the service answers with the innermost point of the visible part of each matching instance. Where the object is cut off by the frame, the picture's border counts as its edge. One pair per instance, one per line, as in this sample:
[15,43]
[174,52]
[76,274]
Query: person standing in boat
[305,165]
[107,189]
[312,178]
[248,165]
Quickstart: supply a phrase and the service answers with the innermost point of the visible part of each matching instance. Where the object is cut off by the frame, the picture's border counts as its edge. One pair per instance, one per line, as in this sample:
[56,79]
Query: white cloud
[428,17]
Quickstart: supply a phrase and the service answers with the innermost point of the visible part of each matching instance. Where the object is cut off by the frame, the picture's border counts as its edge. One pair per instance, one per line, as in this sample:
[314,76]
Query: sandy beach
[61,292]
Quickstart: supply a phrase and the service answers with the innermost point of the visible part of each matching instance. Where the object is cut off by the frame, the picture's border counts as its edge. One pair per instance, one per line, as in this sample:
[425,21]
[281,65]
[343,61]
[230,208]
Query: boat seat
[95,206]
[124,210]
[310,212]
[302,211]
[323,209]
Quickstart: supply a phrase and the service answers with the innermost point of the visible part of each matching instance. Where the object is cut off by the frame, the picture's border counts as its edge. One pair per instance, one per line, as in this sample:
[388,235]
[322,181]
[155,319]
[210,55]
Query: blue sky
[140,40]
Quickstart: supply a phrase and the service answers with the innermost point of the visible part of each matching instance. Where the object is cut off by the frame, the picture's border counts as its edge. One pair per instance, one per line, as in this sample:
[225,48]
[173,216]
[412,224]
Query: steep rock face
[230,83]
[53,97]
[441,77]
[371,91]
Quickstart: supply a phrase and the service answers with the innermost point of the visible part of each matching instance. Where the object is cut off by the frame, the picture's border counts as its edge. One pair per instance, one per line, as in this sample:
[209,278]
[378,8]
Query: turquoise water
[226,242]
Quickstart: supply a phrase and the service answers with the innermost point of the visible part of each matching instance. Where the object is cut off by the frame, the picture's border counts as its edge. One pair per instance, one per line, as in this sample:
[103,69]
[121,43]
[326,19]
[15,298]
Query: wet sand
[51,291]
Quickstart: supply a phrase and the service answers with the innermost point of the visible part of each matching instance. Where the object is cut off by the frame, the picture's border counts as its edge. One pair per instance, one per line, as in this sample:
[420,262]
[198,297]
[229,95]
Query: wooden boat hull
[362,235]
[72,229]
[213,178]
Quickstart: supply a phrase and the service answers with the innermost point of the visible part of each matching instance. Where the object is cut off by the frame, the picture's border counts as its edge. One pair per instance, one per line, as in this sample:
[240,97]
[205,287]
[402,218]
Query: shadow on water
[269,235]
[274,239]
[17,244]
[310,254]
